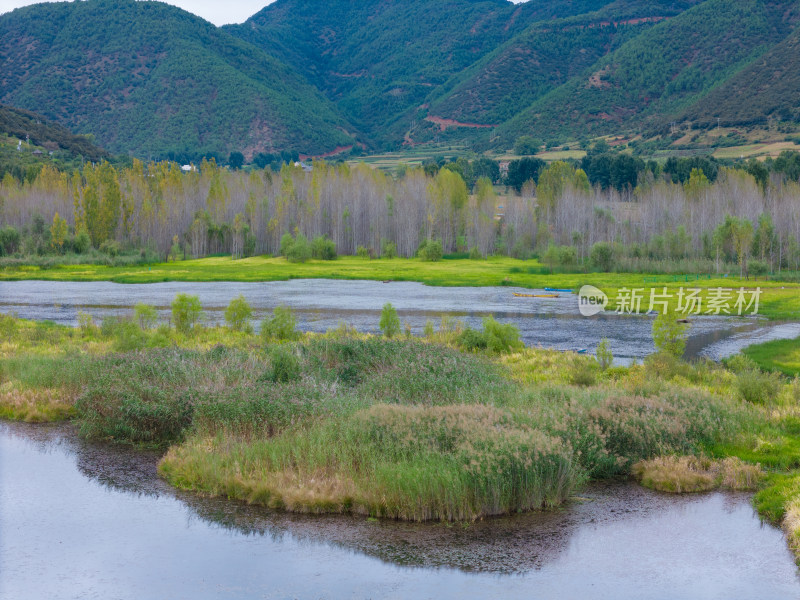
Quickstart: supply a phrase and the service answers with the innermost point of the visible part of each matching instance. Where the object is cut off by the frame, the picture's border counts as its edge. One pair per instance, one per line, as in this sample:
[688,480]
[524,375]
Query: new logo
[591,301]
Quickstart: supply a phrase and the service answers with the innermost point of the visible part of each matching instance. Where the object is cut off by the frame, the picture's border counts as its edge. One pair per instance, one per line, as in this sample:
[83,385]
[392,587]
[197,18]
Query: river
[88,520]
[322,304]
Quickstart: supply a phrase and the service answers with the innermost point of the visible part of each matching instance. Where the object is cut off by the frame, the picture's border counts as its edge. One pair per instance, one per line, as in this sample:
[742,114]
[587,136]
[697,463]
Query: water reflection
[91,520]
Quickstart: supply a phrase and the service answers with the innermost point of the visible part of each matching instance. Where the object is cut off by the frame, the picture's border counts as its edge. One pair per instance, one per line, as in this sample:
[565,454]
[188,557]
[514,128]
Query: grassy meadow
[779,299]
[457,425]
[778,355]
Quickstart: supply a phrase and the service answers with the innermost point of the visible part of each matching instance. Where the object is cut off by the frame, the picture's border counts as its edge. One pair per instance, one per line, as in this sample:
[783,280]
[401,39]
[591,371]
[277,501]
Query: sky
[219,12]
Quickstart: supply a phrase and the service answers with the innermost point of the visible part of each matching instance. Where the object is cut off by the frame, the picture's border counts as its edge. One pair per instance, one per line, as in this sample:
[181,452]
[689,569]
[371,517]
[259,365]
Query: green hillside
[649,80]
[151,79]
[544,56]
[311,77]
[767,90]
[378,60]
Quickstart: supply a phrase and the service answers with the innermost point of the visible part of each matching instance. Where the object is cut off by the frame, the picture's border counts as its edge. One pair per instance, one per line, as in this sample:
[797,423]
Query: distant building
[37,152]
[188,168]
[504,167]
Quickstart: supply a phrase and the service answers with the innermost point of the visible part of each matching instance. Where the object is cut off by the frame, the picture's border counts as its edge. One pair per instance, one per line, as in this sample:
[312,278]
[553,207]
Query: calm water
[322,304]
[81,520]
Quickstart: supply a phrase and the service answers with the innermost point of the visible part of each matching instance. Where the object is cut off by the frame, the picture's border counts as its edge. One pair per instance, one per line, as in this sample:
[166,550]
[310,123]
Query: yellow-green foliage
[680,474]
[35,405]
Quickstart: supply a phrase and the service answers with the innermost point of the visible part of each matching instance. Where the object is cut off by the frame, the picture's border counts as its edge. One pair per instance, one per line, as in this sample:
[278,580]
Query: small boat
[583,351]
[518,295]
[557,290]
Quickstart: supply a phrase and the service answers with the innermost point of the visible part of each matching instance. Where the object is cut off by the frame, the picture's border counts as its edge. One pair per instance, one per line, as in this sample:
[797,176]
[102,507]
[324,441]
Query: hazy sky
[219,12]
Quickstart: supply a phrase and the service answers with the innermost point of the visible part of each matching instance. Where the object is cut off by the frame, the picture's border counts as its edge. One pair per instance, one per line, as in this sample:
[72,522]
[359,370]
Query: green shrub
[430,251]
[582,371]
[669,336]
[388,249]
[295,249]
[237,315]
[501,338]
[186,312]
[604,356]
[757,387]
[146,315]
[602,256]
[429,329]
[472,340]
[323,248]
[287,241]
[739,363]
[82,242]
[128,336]
[282,325]
[363,252]
[86,324]
[495,337]
[300,251]
[285,366]
[475,254]
[110,247]
[9,240]
[390,322]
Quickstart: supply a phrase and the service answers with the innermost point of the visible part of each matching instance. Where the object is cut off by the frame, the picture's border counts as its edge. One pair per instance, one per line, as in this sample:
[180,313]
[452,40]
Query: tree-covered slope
[768,89]
[541,58]
[378,59]
[655,76]
[151,79]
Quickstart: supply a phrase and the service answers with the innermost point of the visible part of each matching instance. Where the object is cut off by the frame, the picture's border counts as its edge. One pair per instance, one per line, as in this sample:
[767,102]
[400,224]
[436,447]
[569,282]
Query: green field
[779,300]
[778,355]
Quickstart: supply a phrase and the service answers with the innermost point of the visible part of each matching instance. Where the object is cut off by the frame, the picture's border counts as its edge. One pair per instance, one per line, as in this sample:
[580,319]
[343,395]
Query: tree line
[728,216]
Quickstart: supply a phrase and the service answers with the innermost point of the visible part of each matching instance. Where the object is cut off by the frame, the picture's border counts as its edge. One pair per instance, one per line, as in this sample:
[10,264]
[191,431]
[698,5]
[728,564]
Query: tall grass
[416,463]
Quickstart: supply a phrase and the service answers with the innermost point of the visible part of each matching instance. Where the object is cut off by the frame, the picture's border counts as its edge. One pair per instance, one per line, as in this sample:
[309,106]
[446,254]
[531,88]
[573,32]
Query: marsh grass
[406,462]
[158,395]
[403,427]
[35,405]
[682,474]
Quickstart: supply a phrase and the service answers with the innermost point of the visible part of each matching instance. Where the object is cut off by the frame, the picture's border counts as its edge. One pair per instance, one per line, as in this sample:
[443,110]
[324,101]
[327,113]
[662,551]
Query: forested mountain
[656,76]
[309,76]
[379,58]
[151,79]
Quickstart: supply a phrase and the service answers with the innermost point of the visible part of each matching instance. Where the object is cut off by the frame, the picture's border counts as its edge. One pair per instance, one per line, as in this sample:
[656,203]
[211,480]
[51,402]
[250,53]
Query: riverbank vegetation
[455,425]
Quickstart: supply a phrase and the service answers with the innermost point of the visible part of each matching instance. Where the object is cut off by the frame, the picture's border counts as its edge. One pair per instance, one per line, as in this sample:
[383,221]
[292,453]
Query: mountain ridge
[150,79]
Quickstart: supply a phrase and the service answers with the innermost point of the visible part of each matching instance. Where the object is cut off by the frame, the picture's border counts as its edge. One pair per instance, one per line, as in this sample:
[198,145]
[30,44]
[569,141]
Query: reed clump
[405,462]
[40,405]
[685,474]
